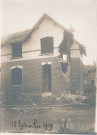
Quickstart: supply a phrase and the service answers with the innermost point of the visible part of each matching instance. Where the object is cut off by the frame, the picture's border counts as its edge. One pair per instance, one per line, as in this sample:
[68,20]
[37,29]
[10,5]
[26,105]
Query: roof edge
[45,15]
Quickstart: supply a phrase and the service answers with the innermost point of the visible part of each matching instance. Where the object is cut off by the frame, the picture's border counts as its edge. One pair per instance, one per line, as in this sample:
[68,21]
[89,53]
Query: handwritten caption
[34,125]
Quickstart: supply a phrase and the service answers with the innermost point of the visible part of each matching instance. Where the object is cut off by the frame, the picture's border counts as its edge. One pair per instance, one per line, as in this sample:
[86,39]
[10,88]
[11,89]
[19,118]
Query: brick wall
[32,59]
[32,76]
[77,75]
[76,70]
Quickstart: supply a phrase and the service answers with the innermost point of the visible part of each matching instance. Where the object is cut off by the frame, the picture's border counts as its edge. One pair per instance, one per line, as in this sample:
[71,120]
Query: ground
[48,119]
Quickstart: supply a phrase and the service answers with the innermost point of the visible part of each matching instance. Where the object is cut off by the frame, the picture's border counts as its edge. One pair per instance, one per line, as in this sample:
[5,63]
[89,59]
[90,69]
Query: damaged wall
[76,70]
[31,49]
[64,47]
[32,76]
[89,78]
[33,59]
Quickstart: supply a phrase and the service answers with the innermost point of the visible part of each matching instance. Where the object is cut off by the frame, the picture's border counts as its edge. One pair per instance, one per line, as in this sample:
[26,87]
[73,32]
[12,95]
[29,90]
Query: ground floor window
[16,76]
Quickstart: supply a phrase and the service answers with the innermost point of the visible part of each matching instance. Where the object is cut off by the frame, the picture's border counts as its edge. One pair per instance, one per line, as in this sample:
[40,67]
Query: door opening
[47,78]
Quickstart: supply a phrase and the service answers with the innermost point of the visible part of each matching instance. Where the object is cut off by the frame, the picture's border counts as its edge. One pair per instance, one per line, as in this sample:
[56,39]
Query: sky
[17,15]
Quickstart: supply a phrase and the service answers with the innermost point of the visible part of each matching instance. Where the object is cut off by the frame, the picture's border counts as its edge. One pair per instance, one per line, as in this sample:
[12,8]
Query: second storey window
[47,45]
[16,50]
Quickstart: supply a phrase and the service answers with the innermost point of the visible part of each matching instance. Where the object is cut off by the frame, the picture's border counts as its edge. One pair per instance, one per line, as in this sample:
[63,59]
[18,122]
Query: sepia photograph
[48,64]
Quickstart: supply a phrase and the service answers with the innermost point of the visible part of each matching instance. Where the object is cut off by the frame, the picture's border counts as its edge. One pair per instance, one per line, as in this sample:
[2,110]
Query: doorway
[47,78]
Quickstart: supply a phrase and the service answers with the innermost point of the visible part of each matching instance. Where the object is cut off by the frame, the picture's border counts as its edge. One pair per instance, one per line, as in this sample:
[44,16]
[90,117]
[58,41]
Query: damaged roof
[24,35]
[15,37]
[88,68]
[82,48]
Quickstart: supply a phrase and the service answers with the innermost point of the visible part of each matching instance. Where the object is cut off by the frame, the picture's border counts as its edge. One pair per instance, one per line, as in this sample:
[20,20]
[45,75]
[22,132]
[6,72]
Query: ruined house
[45,60]
[89,79]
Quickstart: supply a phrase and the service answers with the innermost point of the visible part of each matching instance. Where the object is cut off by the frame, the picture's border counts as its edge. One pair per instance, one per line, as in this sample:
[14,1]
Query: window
[65,57]
[92,82]
[47,45]
[16,76]
[17,49]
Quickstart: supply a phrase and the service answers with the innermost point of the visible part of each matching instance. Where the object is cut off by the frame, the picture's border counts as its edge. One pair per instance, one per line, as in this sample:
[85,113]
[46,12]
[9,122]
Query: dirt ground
[56,119]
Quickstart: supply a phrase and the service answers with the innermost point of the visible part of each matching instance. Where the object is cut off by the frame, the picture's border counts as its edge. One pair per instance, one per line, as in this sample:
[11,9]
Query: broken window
[47,45]
[17,49]
[16,76]
[64,67]
[65,57]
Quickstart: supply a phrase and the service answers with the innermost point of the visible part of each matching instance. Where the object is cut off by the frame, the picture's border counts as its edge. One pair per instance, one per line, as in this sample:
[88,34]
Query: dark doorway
[47,78]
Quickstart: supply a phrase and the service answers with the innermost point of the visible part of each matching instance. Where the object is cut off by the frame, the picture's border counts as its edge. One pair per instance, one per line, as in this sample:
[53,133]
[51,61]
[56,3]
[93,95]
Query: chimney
[71,29]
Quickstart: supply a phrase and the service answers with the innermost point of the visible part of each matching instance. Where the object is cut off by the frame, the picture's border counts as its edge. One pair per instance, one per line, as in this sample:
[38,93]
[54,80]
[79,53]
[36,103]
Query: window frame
[47,38]
[12,48]
[18,67]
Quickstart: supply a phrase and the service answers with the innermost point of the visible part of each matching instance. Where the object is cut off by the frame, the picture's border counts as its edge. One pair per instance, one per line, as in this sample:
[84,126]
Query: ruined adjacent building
[89,78]
[45,60]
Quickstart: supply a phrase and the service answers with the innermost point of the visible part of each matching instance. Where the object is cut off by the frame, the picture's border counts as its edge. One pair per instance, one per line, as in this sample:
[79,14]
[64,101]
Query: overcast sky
[19,15]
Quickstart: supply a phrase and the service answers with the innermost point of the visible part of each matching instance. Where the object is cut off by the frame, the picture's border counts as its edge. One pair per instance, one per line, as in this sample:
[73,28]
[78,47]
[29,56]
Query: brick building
[44,60]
